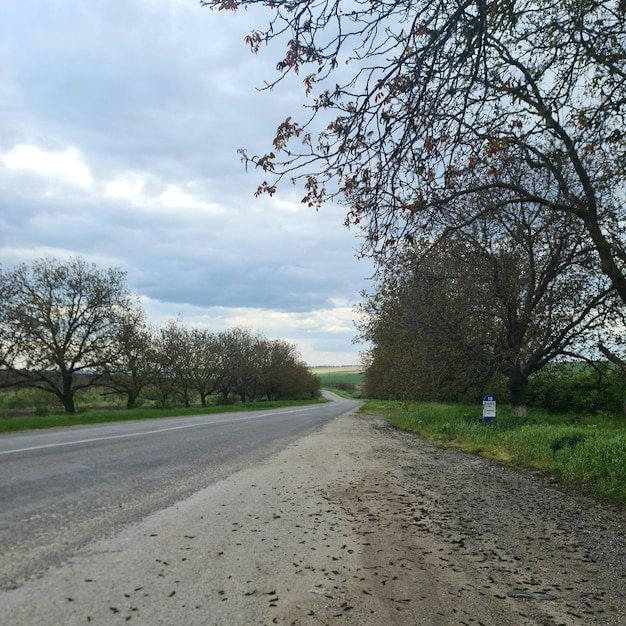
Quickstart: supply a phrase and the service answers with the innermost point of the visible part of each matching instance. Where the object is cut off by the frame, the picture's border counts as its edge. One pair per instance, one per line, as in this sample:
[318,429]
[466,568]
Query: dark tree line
[504,296]
[67,326]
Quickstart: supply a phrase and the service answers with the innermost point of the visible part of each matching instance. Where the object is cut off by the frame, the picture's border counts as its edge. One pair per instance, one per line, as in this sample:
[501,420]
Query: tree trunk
[68,403]
[131,400]
[517,385]
[185,395]
[67,396]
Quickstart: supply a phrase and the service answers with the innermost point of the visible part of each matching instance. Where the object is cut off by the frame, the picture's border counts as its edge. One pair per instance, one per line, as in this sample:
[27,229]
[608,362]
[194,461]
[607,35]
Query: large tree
[425,324]
[507,293]
[205,363]
[245,363]
[59,322]
[414,104]
[173,351]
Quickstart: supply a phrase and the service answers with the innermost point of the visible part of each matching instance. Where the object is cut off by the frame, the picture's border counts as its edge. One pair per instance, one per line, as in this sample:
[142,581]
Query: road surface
[354,524]
[62,488]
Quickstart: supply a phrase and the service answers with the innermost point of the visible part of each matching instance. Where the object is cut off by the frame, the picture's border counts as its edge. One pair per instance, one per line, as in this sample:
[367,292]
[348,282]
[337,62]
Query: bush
[342,386]
[223,400]
[560,390]
[28,400]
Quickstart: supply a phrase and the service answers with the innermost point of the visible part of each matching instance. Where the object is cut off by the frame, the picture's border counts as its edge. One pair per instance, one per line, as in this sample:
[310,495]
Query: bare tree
[59,322]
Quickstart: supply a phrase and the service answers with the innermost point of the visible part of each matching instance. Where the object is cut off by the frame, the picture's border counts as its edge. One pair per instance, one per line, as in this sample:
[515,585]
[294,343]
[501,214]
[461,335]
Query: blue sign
[489,408]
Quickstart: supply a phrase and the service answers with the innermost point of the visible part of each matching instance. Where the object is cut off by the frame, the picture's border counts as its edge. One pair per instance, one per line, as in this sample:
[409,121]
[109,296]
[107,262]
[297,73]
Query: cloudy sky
[119,127]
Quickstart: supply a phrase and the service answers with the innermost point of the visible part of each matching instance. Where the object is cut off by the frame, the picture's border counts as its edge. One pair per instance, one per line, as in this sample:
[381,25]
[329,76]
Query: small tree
[134,364]
[59,322]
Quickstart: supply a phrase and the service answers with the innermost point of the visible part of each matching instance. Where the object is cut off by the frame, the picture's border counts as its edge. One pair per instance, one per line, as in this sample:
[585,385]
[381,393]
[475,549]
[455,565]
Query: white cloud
[120,145]
[174,197]
[28,255]
[66,164]
[127,189]
[331,329]
[134,190]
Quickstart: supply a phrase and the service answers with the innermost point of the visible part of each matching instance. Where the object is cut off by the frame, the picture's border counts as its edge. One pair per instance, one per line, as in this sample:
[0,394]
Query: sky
[120,122]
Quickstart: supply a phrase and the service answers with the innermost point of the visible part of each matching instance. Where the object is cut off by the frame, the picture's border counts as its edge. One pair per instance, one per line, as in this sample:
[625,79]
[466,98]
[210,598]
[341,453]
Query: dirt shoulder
[356,524]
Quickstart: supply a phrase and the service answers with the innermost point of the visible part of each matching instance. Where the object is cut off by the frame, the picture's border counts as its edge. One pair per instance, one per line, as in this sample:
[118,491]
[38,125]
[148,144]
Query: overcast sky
[119,127]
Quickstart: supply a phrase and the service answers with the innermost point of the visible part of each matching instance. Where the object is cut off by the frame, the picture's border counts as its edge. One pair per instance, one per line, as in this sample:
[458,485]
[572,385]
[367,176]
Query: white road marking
[152,432]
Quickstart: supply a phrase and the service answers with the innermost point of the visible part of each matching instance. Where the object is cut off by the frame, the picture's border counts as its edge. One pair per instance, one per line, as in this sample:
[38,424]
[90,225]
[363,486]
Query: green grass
[14,424]
[581,450]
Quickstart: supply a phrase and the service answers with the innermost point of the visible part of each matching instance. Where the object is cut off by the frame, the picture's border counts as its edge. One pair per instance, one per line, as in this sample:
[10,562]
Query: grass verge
[581,450]
[14,424]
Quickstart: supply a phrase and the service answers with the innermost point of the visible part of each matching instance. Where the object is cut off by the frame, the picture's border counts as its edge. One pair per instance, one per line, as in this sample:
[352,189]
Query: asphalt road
[354,523]
[62,488]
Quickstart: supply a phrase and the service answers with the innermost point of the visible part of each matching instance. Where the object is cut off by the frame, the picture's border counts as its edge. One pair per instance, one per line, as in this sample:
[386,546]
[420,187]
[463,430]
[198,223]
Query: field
[350,374]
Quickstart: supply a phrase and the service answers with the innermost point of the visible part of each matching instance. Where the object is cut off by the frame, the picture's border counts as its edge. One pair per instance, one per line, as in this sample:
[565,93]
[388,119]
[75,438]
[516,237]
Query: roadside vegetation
[584,450]
[574,429]
[88,414]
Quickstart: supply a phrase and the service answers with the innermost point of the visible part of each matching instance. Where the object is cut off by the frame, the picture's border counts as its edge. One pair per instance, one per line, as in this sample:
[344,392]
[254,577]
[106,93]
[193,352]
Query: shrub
[582,391]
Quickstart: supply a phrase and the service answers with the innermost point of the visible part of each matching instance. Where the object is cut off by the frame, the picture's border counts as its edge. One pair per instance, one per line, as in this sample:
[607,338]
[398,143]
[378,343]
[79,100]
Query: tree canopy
[59,319]
[66,326]
[506,294]
[416,104]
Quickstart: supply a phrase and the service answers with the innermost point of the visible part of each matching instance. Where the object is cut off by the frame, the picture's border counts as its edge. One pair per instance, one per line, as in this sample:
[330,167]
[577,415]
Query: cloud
[324,336]
[119,133]
[66,164]
[128,189]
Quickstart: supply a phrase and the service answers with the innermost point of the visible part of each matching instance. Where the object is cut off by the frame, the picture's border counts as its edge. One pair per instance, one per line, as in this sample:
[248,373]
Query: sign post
[489,408]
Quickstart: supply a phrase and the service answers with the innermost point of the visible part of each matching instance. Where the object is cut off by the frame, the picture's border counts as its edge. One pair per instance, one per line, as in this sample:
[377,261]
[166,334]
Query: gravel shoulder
[355,524]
